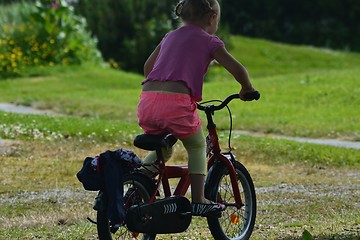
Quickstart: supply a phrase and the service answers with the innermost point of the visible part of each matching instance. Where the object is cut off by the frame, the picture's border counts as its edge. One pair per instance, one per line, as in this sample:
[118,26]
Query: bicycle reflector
[234,218]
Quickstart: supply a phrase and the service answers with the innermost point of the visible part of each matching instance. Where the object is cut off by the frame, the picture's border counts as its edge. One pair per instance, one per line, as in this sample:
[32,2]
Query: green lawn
[306,92]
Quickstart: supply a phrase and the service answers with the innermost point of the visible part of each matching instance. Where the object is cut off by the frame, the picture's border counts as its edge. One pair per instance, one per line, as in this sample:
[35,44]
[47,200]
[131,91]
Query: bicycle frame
[181,171]
[168,172]
[144,213]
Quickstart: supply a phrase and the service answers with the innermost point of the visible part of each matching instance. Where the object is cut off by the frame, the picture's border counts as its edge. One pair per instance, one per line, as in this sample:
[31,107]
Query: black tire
[233,223]
[143,188]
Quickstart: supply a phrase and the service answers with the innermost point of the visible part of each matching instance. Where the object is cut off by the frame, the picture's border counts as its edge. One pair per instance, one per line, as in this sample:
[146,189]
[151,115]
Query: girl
[174,79]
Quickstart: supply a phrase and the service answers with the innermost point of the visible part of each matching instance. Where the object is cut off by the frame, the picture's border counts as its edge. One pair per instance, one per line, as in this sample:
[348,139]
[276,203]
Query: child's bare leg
[197,188]
[196,147]
[152,157]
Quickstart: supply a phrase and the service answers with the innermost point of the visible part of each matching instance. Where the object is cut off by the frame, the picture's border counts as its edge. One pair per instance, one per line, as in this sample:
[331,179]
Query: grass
[306,92]
[322,104]
[42,199]
[318,104]
[33,127]
[263,58]
[78,91]
[308,97]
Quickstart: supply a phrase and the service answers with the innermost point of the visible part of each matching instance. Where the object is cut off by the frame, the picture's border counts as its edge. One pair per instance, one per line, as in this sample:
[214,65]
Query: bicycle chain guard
[168,215]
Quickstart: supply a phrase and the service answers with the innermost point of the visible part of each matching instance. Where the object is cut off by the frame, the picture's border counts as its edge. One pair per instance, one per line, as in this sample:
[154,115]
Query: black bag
[105,172]
[89,177]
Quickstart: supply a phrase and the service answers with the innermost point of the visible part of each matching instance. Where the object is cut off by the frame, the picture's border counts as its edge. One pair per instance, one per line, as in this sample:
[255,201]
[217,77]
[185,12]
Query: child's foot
[204,209]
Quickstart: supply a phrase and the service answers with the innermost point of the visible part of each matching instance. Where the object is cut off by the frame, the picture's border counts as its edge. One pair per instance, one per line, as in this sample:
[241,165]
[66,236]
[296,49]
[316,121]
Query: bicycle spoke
[234,221]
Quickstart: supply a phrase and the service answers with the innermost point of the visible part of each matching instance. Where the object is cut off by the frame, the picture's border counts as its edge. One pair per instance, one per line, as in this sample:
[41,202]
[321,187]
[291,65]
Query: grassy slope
[264,58]
[84,91]
[305,91]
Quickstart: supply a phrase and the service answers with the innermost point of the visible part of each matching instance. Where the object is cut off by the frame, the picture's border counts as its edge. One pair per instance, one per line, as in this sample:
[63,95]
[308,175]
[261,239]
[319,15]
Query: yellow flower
[34,49]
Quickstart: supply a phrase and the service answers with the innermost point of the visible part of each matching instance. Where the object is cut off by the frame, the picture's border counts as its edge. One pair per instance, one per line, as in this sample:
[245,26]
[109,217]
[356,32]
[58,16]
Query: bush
[50,34]
[325,23]
[127,30]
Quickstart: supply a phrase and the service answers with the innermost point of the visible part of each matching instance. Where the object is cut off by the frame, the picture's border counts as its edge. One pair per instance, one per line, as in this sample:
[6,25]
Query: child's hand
[249,95]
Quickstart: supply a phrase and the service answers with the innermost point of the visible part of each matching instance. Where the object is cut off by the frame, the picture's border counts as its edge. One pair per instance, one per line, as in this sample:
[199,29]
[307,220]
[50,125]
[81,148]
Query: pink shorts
[163,113]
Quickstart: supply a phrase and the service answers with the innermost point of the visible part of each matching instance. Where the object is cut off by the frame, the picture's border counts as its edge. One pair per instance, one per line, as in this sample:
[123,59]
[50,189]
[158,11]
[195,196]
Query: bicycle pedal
[213,214]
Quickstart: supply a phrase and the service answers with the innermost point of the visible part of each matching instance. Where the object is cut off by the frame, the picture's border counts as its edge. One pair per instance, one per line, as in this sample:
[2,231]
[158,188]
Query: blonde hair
[194,10]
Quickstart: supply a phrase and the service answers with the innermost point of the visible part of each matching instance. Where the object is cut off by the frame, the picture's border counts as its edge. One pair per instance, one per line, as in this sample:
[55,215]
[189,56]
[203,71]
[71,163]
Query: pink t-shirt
[185,55]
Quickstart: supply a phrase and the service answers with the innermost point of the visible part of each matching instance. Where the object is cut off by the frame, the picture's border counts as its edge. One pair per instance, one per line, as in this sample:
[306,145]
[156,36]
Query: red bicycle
[151,211]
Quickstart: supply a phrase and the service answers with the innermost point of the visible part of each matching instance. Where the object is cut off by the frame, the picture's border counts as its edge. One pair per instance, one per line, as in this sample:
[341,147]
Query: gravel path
[320,190]
[329,142]
[56,195]
[9,107]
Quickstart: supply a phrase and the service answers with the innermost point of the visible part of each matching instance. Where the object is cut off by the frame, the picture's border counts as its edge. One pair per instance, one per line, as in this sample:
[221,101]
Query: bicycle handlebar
[248,97]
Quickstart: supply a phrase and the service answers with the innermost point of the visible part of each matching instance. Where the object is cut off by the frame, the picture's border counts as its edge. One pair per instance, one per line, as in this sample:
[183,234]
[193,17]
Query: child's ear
[213,18]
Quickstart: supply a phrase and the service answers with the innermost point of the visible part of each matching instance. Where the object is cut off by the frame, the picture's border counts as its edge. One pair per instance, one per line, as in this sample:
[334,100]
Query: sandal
[204,209]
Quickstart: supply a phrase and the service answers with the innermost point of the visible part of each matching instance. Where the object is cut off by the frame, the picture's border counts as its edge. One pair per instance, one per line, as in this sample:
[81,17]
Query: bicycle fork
[233,177]
[214,147]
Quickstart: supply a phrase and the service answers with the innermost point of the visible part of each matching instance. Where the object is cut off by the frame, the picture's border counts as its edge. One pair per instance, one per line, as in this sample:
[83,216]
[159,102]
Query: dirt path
[329,142]
[9,107]
[299,191]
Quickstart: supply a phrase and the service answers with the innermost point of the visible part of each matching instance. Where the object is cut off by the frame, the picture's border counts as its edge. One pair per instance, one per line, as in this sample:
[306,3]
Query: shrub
[50,35]
[325,23]
[127,30]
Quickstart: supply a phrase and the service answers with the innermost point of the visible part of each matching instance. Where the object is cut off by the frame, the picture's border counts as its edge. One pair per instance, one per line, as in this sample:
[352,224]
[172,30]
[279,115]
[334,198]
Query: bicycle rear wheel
[233,223]
[137,190]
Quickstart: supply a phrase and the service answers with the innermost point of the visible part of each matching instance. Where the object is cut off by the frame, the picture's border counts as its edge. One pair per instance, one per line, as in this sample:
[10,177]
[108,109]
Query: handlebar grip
[252,96]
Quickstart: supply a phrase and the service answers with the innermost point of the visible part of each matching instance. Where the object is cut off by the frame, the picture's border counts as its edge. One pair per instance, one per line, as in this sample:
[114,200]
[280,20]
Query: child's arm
[149,64]
[236,69]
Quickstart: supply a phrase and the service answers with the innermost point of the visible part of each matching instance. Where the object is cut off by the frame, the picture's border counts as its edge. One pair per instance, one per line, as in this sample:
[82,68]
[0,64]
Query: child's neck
[198,24]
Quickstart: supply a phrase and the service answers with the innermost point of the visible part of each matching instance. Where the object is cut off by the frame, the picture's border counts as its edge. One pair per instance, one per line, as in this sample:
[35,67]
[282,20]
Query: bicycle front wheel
[233,223]
[137,190]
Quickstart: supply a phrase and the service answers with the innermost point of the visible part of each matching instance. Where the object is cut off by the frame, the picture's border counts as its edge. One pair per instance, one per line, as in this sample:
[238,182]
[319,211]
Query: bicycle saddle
[152,142]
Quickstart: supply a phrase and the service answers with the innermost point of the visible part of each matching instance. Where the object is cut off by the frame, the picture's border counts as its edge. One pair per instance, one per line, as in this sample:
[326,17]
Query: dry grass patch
[42,199]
